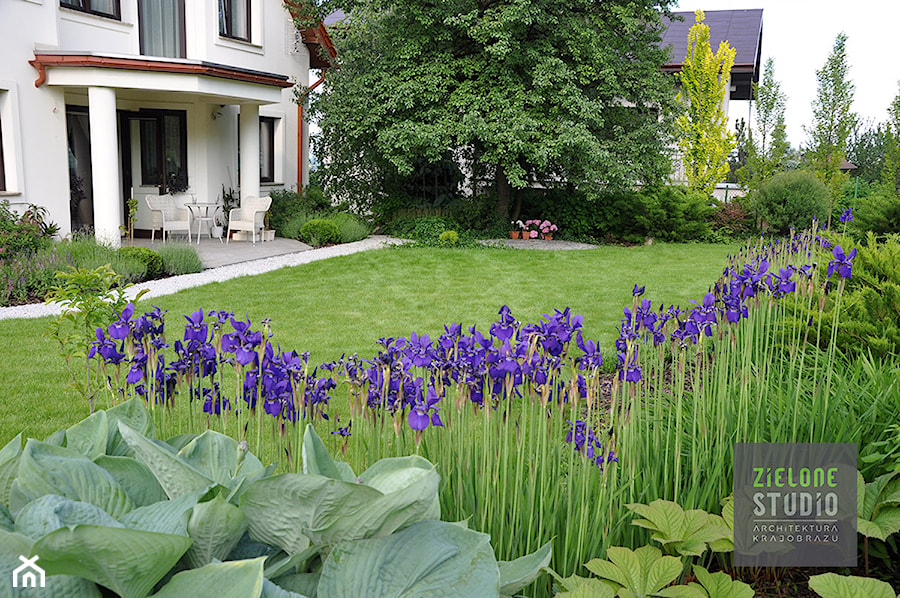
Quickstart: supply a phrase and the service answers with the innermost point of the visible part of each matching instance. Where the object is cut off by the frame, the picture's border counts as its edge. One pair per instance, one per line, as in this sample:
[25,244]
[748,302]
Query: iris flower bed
[531,433]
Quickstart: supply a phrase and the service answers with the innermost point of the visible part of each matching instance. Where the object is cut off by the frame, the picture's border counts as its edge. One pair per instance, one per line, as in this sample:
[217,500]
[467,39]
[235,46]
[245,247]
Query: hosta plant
[105,504]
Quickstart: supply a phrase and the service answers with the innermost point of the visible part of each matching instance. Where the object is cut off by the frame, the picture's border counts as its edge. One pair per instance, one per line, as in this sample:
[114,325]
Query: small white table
[200,211]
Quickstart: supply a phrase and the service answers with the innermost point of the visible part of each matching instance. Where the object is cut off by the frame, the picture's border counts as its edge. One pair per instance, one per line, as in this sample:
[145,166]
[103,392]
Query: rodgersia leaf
[832,585]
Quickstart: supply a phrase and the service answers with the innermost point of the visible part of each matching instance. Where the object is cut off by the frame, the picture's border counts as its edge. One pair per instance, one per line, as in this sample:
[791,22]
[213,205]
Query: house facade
[103,100]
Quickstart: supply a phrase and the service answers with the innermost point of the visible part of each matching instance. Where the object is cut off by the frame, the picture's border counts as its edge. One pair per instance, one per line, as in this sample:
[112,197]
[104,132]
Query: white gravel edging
[167,286]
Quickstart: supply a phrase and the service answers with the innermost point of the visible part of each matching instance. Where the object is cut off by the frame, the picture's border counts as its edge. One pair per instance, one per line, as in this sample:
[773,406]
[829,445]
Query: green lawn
[345,304]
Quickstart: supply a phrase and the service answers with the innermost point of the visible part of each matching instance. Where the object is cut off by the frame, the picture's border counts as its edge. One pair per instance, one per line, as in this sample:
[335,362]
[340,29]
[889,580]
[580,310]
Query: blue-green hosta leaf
[134,477]
[134,414]
[285,564]
[165,516]
[46,469]
[58,438]
[50,512]
[272,590]
[303,584]
[317,460]
[282,508]
[89,436]
[397,474]
[9,467]
[429,558]
[214,455]
[248,548]
[215,526]
[712,585]
[641,572]
[12,546]
[234,579]
[175,476]
[515,575]
[832,585]
[6,520]
[127,561]
[179,441]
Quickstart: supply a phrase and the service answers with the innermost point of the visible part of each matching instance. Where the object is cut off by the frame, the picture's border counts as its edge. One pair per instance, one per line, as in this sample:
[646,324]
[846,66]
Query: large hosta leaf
[317,460]
[134,477]
[832,585]
[175,476]
[9,467]
[134,414]
[234,579]
[89,436]
[515,575]
[399,475]
[6,520]
[215,526]
[429,558]
[214,455]
[51,512]
[127,561]
[165,516]
[12,546]
[46,469]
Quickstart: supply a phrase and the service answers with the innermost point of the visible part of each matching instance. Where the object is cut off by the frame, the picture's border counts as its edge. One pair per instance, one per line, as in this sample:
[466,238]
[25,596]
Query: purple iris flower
[196,328]
[592,358]
[842,263]
[630,372]
[120,328]
[419,418]
[637,291]
[847,215]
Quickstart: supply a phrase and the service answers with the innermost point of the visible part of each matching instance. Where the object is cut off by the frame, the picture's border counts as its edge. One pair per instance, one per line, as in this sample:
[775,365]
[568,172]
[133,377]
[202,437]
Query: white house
[101,100]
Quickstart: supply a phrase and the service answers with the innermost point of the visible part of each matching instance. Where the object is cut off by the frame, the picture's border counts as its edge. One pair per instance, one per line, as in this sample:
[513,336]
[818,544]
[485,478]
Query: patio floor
[214,253]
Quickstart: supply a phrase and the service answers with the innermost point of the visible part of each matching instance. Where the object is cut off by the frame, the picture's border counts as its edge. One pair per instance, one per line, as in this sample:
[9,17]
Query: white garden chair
[169,217]
[250,217]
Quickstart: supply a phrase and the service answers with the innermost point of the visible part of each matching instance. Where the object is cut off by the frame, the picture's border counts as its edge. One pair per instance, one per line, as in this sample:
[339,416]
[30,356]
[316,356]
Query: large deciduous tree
[704,139]
[833,119]
[514,89]
[767,145]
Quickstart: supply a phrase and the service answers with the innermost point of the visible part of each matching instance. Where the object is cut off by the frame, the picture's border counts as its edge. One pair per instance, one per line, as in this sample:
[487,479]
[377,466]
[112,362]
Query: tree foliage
[765,145]
[516,90]
[833,119]
[704,138]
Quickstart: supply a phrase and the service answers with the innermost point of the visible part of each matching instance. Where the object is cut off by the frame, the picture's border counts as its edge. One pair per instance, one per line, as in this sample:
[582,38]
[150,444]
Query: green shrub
[288,204]
[351,227]
[878,212]
[448,238]
[732,218]
[84,252]
[27,278]
[320,231]
[291,228]
[148,257]
[20,234]
[791,199]
[179,258]
[428,230]
[667,213]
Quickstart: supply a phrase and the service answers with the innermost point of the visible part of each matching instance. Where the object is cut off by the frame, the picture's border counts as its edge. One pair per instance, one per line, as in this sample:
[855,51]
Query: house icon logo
[28,574]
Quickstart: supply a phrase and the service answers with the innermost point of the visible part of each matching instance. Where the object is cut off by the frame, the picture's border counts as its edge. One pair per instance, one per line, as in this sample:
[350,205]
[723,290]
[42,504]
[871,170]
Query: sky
[799,35]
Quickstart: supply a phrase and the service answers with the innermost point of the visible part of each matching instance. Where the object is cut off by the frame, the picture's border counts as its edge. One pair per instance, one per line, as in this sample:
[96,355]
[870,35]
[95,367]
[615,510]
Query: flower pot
[268,235]
[547,237]
[215,231]
[513,234]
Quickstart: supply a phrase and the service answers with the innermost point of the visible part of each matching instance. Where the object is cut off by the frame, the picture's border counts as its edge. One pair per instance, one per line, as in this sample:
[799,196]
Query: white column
[249,150]
[105,165]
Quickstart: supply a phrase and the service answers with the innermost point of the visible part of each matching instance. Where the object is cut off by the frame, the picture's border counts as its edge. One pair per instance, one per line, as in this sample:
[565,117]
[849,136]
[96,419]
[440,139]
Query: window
[2,170]
[164,150]
[162,28]
[234,19]
[104,8]
[267,149]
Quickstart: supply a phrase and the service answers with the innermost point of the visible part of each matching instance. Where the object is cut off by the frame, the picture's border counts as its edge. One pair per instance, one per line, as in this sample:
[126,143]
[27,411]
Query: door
[158,158]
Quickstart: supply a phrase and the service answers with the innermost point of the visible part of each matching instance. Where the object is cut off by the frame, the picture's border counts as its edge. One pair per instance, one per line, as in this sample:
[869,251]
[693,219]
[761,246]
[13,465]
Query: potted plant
[531,229]
[547,230]
[517,226]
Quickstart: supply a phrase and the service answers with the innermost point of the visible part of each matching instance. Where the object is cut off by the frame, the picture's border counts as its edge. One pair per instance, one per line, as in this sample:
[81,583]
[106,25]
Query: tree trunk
[504,192]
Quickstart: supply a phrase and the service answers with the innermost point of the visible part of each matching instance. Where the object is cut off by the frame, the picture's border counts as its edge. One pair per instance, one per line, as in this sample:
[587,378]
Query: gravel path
[167,286]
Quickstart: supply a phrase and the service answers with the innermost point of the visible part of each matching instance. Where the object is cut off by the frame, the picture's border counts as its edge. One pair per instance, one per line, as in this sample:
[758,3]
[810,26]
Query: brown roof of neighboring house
[742,29]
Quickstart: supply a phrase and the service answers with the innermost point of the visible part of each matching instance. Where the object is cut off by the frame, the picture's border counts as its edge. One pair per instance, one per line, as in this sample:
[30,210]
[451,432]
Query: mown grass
[343,305]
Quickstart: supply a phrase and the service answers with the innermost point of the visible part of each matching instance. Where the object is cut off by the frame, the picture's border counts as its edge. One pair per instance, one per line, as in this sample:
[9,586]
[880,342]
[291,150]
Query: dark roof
[742,29]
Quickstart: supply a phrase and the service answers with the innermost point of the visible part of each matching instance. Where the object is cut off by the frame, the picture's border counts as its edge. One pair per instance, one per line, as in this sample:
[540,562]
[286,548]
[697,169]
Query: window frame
[86,7]
[226,8]
[272,124]
[182,41]
[158,117]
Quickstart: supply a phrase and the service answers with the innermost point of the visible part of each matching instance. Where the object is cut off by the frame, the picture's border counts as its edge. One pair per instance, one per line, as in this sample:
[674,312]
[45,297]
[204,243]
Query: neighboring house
[104,99]
[742,29]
